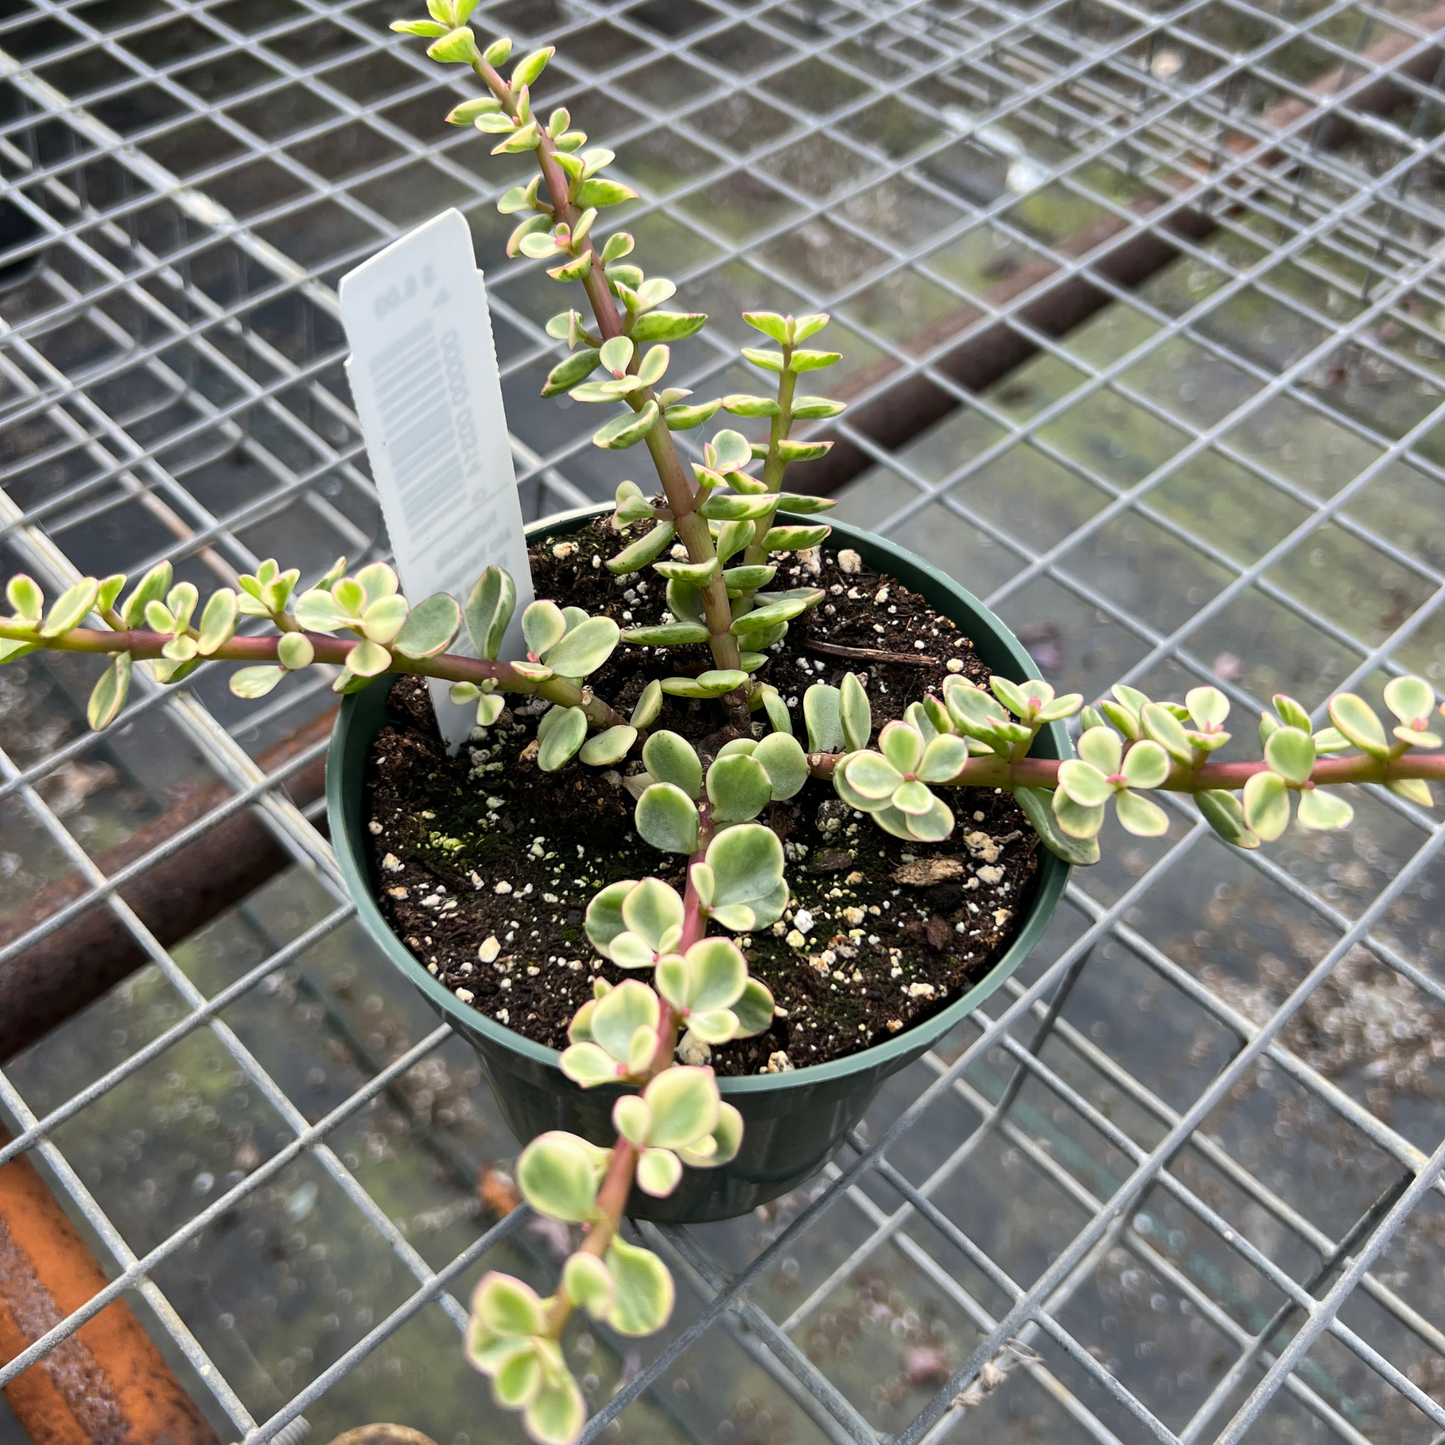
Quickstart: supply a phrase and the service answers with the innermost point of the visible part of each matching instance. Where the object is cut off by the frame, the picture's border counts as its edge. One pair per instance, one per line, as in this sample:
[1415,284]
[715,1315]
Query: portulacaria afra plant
[713,534]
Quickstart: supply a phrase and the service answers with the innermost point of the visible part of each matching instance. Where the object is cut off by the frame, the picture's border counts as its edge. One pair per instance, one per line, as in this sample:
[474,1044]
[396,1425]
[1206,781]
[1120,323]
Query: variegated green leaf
[562,739]
[666,819]
[1266,805]
[109,694]
[430,627]
[558,1176]
[69,609]
[1224,813]
[489,611]
[648,548]
[644,1289]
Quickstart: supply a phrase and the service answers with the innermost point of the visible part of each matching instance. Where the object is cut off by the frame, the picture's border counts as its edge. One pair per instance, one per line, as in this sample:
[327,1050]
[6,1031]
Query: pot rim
[912,1041]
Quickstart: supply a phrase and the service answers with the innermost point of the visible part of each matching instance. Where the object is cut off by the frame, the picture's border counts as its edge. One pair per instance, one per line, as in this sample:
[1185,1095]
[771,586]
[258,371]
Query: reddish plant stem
[611,1204]
[694,926]
[449,667]
[694,921]
[612,1197]
[559,188]
[693,533]
[667,1026]
[985,772]
[617,1185]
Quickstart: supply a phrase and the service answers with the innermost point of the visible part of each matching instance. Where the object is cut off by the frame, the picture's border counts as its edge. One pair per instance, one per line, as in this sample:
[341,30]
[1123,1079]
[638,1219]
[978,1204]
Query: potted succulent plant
[794,1117]
[695,769]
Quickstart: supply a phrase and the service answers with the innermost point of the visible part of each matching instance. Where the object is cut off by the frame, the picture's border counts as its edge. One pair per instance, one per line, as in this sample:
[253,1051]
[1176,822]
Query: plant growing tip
[717,522]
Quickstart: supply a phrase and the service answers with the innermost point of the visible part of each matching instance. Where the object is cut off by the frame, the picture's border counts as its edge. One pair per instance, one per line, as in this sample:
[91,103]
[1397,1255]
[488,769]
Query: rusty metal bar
[75,964]
[107,1384]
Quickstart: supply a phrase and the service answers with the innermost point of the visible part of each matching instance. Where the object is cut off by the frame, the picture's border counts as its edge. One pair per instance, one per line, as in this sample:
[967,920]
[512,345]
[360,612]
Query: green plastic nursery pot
[794,1121]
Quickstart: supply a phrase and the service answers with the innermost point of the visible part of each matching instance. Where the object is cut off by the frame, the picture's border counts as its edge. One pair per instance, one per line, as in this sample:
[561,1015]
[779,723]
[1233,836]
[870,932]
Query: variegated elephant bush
[713,534]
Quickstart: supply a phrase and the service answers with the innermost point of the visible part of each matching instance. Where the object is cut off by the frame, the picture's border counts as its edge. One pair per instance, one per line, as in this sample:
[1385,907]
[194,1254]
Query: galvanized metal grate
[1145,335]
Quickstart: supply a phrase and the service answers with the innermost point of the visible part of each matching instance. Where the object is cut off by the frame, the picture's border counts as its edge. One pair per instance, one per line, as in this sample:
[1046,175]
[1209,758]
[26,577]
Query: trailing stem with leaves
[714,535]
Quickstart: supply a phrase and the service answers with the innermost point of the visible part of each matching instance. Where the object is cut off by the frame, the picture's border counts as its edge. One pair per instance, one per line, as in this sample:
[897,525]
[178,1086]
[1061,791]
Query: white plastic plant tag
[423,371]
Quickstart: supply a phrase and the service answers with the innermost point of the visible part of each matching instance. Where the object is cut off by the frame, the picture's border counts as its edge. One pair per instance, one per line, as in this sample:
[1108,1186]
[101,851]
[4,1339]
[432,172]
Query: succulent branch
[716,540]
[386,635]
[560,229]
[976,738]
[786,363]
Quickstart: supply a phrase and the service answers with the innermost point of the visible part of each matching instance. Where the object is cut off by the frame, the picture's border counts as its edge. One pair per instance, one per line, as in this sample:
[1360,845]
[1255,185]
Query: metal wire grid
[151,355]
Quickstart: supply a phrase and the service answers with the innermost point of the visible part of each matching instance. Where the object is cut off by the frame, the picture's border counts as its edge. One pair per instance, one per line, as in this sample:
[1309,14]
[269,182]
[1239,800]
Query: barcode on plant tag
[423,371]
[416,412]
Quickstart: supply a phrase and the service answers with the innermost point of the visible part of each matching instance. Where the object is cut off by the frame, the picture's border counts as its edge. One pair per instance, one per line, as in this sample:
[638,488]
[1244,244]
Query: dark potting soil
[484,864]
